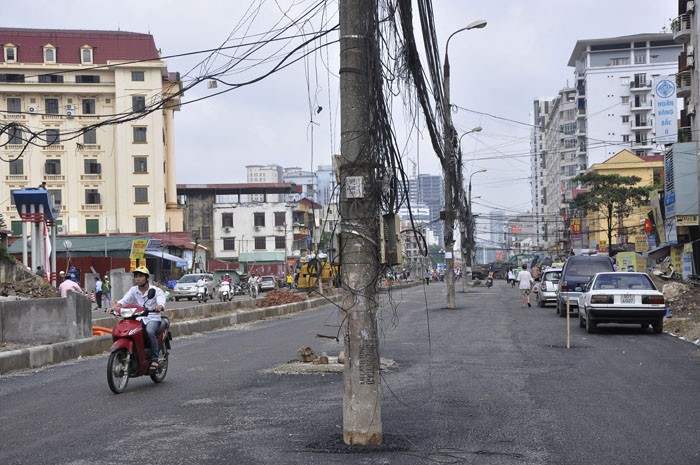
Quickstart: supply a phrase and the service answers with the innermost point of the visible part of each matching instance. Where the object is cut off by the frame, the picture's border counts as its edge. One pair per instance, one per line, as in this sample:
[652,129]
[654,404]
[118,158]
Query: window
[92,197]
[56,198]
[141,224]
[87,79]
[86,55]
[52,167]
[137,76]
[49,54]
[227,220]
[625,100]
[90,136]
[17,166]
[140,165]
[569,128]
[51,105]
[640,58]
[259,219]
[14,105]
[15,135]
[140,135]
[138,103]
[625,81]
[229,243]
[92,226]
[53,137]
[10,77]
[16,227]
[91,166]
[50,78]
[88,106]
[280,218]
[141,194]
[619,61]
[10,53]
[280,242]
[625,118]
[640,80]
[260,243]
[625,138]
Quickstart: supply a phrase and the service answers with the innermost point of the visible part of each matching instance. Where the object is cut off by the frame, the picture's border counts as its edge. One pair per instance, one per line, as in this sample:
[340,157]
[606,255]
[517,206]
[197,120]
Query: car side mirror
[578,289]
[151,293]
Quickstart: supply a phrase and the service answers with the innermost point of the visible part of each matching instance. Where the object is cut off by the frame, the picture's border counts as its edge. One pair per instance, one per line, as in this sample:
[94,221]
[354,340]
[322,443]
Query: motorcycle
[240,288]
[669,273]
[489,280]
[225,291]
[202,293]
[129,354]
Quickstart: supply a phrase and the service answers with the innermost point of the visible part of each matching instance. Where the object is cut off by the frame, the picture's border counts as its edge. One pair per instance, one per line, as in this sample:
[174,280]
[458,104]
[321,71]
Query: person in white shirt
[511,277]
[525,279]
[138,295]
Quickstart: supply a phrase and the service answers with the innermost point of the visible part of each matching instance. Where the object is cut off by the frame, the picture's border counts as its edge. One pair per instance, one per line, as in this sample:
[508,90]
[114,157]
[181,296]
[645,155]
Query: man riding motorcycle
[138,295]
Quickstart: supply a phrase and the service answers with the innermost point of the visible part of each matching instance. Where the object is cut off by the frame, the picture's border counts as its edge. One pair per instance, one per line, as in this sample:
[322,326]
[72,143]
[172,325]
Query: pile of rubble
[683,304]
[280,297]
[29,288]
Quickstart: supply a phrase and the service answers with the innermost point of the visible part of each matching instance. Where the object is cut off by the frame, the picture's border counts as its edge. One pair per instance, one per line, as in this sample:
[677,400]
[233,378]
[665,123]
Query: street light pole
[470,227]
[449,170]
[463,214]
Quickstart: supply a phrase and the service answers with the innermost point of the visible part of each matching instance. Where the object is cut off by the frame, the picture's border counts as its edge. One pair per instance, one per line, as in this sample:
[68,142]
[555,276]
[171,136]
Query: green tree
[612,195]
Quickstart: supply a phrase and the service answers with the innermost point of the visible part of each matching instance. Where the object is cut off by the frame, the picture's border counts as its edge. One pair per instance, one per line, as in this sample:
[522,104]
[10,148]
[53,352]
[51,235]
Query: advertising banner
[138,248]
[665,118]
[641,243]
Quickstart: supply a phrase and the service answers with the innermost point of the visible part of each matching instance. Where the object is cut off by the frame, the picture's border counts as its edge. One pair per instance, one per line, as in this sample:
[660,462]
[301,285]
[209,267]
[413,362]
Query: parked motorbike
[667,273]
[129,354]
[202,293]
[225,291]
[240,288]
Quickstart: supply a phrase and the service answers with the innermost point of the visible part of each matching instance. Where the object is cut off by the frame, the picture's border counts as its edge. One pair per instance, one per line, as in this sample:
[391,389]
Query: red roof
[106,45]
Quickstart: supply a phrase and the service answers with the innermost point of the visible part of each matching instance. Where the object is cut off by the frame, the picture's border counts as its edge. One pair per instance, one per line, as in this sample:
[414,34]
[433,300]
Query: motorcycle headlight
[127,312]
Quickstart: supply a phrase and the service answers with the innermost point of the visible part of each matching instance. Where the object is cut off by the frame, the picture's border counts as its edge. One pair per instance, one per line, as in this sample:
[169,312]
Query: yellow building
[624,163]
[61,92]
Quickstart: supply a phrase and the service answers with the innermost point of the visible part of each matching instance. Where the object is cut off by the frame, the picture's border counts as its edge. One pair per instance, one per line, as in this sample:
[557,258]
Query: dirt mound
[280,297]
[683,304]
[34,288]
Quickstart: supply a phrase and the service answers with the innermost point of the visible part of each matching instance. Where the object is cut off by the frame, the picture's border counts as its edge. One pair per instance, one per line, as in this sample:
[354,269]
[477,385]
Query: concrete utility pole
[448,171]
[359,213]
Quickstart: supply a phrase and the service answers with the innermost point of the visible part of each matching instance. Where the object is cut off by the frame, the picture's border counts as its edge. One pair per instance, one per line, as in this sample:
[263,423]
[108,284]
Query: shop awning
[179,261]
[659,252]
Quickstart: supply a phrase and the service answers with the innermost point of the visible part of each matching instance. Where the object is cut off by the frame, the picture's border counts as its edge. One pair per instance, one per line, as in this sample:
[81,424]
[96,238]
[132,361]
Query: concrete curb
[222,317]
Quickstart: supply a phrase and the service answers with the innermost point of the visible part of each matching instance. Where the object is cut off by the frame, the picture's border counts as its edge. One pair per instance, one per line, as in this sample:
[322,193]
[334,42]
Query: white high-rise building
[539,119]
[614,91]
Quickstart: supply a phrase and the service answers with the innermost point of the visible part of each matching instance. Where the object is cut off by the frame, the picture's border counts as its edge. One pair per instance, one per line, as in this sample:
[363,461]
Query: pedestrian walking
[511,277]
[427,277]
[525,286]
[107,292]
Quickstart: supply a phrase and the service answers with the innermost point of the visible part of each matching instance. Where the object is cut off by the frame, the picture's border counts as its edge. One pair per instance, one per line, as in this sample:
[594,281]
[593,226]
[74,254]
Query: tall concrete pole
[359,213]
[448,174]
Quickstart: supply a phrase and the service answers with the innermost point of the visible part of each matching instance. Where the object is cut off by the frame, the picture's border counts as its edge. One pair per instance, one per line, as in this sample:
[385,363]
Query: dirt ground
[683,303]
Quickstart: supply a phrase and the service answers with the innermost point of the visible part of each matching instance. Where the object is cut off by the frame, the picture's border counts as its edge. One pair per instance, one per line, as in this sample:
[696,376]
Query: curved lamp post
[469,246]
[449,170]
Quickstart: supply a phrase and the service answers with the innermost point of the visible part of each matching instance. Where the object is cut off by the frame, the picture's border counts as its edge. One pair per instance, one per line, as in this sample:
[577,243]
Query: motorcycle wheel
[118,371]
[158,375]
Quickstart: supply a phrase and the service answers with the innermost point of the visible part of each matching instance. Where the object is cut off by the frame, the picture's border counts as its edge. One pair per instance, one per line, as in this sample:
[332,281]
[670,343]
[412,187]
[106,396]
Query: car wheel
[581,321]
[645,325]
[562,311]
[177,299]
[658,326]
[590,325]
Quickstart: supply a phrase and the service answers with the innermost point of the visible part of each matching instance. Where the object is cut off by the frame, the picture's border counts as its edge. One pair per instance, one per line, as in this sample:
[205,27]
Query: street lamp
[449,171]
[469,249]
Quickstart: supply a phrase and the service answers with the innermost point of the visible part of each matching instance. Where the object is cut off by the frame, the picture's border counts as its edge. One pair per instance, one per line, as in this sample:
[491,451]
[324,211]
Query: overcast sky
[521,54]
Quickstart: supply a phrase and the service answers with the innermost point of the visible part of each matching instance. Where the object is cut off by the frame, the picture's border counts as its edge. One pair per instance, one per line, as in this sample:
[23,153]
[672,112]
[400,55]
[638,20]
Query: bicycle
[253,291]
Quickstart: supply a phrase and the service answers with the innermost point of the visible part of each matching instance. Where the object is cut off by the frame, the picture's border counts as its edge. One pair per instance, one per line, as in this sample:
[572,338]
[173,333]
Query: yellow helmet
[142,270]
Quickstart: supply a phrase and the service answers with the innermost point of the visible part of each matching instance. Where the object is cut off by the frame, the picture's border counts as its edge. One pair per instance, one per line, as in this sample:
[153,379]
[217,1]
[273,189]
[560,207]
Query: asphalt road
[486,383]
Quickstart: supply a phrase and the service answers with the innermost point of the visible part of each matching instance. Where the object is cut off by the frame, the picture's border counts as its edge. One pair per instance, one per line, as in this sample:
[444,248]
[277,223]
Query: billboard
[665,119]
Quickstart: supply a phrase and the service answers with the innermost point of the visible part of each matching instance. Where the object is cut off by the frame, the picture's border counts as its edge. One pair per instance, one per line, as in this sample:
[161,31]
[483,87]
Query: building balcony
[52,117]
[685,134]
[91,177]
[642,144]
[91,206]
[640,125]
[14,147]
[681,27]
[640,86]
[89,147]
[54,147]
[640,106]
[16,178]
[14,116]
[684,83]
[54,177]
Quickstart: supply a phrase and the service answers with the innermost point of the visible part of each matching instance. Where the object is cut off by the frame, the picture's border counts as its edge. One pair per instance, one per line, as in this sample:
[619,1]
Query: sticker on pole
[354,187]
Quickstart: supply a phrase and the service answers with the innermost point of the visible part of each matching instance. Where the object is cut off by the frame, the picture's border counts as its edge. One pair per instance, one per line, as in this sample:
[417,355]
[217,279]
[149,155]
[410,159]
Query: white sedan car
[621,298]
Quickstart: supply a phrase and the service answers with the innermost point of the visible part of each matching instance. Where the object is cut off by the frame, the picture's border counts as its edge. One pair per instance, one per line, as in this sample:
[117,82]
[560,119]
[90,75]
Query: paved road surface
[487,383]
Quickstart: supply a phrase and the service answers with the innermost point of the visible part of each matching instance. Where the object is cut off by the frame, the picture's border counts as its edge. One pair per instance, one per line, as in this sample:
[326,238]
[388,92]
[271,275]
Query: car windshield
[623,281]
[588,267]
[552,275]
[268,278]
[189,278]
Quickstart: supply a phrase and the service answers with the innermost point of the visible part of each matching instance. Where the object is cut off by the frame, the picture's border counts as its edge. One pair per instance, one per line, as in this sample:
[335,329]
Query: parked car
[547,292]
[576,272]
[268,283]
[621,297]
[186,287]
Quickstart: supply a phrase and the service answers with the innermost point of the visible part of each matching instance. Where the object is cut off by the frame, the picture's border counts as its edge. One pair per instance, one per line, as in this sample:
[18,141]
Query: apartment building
[264,174]
[428,190]
[539,120]
[90,114]
[614,91]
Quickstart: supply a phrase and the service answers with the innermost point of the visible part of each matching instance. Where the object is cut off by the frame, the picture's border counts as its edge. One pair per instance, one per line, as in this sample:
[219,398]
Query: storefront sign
[686,220]
[665,117]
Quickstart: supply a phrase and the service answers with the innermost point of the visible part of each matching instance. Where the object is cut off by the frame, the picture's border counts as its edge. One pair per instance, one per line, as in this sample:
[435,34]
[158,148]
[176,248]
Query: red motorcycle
[129,357]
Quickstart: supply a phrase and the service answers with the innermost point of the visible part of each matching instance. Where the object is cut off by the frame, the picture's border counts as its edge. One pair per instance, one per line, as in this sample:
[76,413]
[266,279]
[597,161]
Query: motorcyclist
[202,283]
[138,295]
